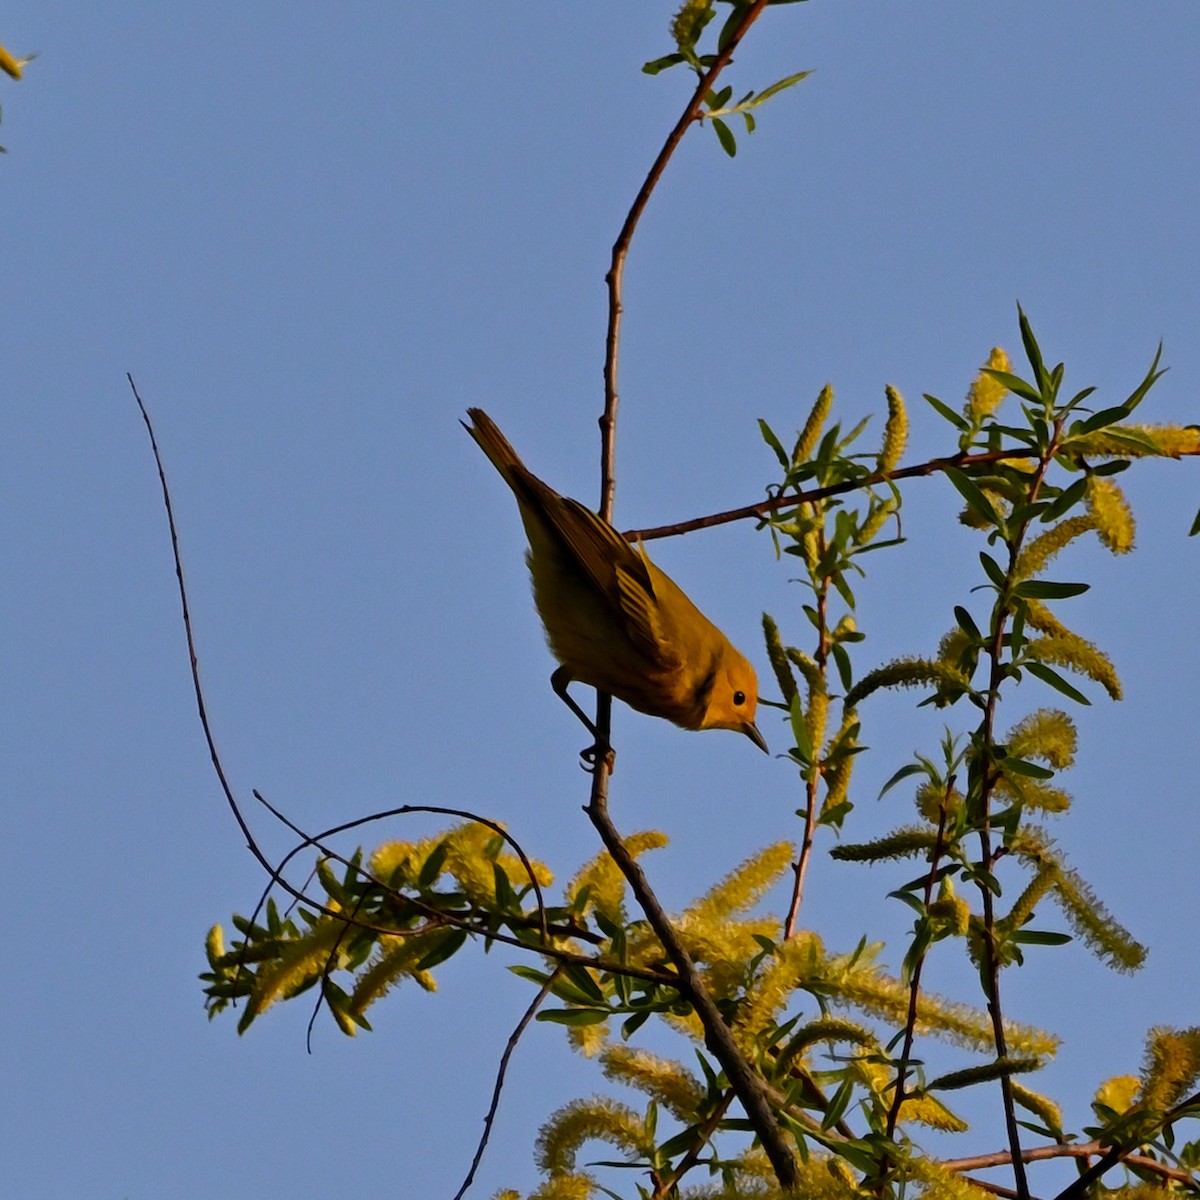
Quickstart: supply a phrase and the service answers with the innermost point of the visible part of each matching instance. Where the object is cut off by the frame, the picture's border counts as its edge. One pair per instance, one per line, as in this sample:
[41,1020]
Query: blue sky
[316,234]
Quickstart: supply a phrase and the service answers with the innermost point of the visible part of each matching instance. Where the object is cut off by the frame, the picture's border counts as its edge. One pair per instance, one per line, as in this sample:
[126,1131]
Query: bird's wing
[620,575]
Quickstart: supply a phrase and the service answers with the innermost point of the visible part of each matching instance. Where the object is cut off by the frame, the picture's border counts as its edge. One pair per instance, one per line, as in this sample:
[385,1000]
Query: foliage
[832,1036]
[834,1046]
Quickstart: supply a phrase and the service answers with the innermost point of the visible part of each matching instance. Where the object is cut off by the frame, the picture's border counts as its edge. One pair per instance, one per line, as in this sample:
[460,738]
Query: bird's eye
[739,697]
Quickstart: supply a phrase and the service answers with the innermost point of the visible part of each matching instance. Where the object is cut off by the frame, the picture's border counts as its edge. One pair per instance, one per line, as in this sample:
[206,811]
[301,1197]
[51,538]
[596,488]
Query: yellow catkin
[1170,441]
[395,959]
[1048,734]
[779,660]
[1041,1106]
[688,23]
[724,947]
[895,432]
[588,1040]
[566,1187]
[930,798]
[580,1121]
[1035,795]
[1111,514]
[663,1079]
[882,996]
[985,394]
[214,945]
[806,442]
[1038,553]
[603,879]
[940,1184]
[1077,654]
[300,962]
[1172,1067]
[794,961]
[745,885]
[1118,1093]
[1092,922]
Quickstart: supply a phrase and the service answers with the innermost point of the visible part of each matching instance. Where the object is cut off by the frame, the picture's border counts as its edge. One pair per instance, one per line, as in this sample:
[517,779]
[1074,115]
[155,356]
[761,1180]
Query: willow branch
[1002,1158]
[749,1086]
[620,251]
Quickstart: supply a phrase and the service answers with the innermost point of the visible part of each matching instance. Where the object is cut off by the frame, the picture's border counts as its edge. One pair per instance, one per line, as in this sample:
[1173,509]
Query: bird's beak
[751,731]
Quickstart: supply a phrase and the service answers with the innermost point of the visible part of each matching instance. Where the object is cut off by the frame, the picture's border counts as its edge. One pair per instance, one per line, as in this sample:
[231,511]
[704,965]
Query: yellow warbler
[613,619]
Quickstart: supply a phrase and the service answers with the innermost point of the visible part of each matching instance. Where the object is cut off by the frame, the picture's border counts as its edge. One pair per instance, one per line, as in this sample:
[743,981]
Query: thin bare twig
[821,658]
[191,645]
[1078,1187]
[400,811]
[914,987]
[665,1186]
[764,508]
[648,974]
[620,251]
[488,1120]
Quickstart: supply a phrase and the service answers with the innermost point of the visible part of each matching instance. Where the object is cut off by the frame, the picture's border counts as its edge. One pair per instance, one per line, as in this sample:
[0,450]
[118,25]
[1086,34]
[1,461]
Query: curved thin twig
[191,645]
[488,1120]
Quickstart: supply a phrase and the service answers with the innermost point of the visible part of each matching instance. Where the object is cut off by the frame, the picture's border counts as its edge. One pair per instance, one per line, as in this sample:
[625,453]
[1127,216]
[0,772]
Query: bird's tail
[493,443]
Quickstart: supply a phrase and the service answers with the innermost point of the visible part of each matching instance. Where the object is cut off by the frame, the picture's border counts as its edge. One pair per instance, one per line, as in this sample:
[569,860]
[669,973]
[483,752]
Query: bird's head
[733,698]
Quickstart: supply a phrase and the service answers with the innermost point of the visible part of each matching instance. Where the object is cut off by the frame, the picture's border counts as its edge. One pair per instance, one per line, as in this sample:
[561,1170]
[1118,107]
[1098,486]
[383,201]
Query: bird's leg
[600,748]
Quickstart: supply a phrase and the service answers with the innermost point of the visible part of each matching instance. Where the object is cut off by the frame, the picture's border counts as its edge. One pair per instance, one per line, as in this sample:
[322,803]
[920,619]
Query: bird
[615,621]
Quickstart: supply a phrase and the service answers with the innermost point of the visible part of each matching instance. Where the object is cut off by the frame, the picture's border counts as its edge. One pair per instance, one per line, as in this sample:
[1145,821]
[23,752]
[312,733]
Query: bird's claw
[595,754]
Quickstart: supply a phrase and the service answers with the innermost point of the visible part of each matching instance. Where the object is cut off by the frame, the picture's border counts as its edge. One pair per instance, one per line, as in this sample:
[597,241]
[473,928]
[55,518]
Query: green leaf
[768,436]
[631,1025]
[725,137]
[976,499]
[838,1105]
[1195,529]
[992,569]
[441,947]
[330,882]
[532,974]
[1043,589]
[774,90]
[1098,420]
[967,623]
[1022,766]
[1153,375]
[1069,498]
[661,64]
[1055,680]
[574,1016]
[902,774]
[432,867]
[946,411]
[842,659]
[1015,384]
[800,729]
[1033,352]
[1040,937]
[506,898]
[583,982]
